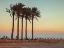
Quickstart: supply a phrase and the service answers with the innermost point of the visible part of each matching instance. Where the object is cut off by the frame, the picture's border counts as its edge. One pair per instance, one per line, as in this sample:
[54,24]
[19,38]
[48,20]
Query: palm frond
[36,18]
[34,9]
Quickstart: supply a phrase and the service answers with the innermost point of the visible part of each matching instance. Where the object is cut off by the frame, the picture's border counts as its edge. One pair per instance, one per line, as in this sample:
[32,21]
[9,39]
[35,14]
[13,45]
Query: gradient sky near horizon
[50,24]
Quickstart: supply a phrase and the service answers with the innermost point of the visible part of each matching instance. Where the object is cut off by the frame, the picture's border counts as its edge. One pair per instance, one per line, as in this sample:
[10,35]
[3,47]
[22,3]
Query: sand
[44,43]
[32,45]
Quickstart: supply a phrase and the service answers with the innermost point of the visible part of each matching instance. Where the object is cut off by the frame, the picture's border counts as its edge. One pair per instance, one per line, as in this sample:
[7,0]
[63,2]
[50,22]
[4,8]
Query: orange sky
[51,21]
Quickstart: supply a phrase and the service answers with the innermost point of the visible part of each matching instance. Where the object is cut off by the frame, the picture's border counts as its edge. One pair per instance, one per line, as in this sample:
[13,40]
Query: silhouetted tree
[22,16]
[12,13]
[20,11]
[27,17]
[35,13]
[15,10]
[18,8]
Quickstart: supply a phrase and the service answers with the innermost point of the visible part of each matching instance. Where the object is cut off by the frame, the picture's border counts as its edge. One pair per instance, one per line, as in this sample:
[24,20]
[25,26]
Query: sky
[49,25]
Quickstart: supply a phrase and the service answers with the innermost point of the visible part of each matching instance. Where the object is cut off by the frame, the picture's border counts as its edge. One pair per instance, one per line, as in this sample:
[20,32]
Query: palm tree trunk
[26,28]
[22,29]
[32,27]
[12,28]
[18,28]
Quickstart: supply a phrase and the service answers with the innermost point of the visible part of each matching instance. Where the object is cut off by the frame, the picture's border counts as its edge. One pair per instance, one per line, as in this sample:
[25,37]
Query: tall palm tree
[22,16]
[35,13]
[22,27]
[26,22]
[12,13]
[19,7]
[27,17]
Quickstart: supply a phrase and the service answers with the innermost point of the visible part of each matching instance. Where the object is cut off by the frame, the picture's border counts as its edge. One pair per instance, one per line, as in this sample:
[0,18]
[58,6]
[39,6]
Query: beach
[33,45]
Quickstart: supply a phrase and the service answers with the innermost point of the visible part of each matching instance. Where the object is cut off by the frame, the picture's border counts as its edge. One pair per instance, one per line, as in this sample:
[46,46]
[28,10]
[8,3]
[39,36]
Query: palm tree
[19,7]
[35,13]
[22,27]
[12,13]
[26,22]
[27,17]
[22,16]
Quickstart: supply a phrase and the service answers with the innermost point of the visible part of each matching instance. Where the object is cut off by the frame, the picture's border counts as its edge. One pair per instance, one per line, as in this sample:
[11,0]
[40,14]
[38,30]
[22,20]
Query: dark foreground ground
[32,44]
